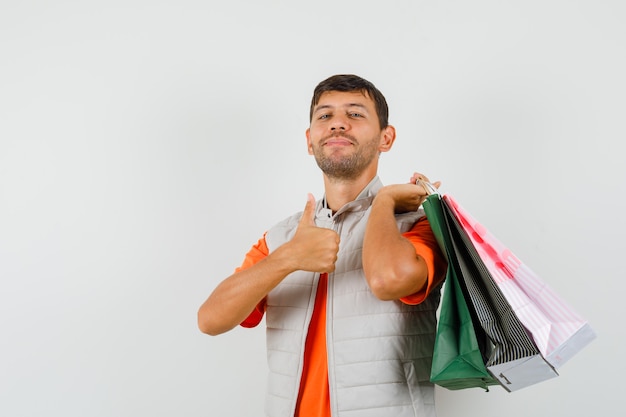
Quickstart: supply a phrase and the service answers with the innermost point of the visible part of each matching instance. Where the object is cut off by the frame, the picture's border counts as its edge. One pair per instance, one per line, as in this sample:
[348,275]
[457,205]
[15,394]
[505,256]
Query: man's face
[345,135]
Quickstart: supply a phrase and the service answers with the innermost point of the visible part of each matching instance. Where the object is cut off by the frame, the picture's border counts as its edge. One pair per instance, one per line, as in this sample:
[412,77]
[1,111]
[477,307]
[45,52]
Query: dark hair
[349,83]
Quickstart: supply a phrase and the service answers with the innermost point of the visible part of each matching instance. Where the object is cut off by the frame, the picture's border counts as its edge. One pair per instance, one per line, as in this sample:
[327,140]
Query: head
[348,127]
[352,83]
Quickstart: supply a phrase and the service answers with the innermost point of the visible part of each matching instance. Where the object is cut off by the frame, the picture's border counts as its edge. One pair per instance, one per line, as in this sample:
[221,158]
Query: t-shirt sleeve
[257,253]
[426,246]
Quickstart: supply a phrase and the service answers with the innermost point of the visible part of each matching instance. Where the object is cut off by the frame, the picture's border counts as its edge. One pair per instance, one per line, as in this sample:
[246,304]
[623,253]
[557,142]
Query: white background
[146,145]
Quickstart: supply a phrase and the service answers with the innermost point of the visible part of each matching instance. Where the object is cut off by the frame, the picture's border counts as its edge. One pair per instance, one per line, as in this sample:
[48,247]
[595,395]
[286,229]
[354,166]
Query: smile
[337,142]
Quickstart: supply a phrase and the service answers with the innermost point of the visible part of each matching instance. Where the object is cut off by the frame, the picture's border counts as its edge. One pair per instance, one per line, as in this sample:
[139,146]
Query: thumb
[308,215]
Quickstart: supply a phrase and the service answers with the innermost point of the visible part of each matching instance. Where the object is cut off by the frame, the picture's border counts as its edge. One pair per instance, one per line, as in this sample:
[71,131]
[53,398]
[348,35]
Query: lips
[338,140]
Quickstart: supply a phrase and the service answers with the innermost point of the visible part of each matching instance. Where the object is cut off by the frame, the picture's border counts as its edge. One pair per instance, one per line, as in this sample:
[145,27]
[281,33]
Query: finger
[418,177]
[429,187]
[308,215]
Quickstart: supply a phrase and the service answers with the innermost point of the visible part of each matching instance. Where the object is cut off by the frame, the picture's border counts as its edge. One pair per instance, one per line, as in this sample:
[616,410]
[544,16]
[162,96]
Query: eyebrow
[328,106]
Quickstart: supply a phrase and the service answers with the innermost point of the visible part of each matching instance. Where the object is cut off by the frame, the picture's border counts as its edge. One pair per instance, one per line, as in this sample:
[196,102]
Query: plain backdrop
[146,145]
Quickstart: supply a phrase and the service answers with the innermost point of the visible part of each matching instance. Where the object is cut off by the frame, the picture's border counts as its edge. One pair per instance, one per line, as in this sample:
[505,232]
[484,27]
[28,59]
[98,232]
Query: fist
[314,248]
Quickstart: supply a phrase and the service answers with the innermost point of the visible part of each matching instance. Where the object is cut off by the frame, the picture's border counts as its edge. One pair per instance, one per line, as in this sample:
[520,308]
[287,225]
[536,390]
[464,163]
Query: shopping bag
[459,356]
[557,330]
[515,360]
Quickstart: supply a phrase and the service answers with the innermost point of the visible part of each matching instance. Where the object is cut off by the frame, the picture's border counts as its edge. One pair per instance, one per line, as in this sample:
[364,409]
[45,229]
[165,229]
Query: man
[349,286]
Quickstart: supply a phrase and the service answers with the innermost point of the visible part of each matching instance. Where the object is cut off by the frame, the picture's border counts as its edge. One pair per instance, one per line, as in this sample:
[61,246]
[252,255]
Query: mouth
[338,140]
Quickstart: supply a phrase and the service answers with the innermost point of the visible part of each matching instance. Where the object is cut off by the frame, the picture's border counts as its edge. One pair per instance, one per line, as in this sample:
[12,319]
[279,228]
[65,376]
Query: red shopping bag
[557,330]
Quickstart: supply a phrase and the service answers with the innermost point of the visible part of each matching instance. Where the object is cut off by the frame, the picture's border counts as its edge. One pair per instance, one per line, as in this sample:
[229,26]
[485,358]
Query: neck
[340,191]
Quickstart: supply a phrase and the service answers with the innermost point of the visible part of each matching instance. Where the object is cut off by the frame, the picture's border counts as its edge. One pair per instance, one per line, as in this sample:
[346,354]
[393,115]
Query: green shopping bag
[461,348]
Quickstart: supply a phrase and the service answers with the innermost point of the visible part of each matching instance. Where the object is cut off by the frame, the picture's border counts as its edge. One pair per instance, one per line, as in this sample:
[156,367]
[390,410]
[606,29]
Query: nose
[339,124]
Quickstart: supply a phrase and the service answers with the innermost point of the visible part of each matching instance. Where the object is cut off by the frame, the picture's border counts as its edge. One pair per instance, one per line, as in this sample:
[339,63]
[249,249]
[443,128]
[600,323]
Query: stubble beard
[338,166]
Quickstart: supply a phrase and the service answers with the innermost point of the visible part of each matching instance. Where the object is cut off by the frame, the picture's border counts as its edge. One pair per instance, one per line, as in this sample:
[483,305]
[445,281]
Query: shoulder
[282,231]
[406,221]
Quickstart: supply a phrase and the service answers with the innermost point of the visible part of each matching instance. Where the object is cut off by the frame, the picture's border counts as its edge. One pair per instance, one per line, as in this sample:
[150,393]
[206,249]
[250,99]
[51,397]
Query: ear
[388,136]
[308,141]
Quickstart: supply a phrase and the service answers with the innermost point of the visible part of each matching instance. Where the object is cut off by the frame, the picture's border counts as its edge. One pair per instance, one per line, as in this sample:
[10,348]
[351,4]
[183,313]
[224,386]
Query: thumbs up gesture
[313,248]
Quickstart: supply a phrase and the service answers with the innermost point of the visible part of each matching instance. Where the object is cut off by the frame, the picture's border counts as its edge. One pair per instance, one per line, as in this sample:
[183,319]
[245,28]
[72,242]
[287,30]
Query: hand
[421,177]
[314,248]
[407,197]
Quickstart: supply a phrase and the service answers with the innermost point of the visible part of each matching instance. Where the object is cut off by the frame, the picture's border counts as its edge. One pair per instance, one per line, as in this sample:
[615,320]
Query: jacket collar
[361,203]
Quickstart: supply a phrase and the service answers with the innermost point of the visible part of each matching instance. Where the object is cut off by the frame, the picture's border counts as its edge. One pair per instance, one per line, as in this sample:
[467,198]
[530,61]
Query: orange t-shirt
[313,396]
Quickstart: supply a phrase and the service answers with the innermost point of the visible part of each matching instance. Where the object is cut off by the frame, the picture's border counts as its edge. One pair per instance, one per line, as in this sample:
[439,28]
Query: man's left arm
[392,267]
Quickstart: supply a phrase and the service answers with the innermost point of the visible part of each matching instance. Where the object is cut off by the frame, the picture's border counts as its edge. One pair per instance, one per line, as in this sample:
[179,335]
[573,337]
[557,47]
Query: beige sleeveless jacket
[379,352]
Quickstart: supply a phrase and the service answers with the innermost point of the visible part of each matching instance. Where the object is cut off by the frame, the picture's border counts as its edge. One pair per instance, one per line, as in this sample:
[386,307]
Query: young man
[350,285]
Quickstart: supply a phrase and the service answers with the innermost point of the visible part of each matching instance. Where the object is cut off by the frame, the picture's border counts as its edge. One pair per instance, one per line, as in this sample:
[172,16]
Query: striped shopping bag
[557,330]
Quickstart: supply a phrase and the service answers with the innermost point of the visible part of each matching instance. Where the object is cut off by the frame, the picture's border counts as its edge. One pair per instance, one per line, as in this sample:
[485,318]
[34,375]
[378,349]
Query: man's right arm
[311,249]
[235,297]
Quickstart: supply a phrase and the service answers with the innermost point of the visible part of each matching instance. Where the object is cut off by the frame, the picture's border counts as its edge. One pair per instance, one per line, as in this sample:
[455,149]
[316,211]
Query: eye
[355,114]
[324,116]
